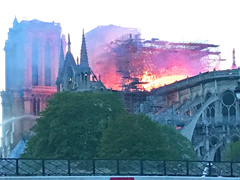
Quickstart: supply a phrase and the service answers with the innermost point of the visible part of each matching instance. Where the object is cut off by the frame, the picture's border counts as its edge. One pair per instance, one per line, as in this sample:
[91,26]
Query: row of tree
[91,125]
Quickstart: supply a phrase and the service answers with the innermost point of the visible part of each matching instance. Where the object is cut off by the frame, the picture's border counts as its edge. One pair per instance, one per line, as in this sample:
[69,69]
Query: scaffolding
[135,56]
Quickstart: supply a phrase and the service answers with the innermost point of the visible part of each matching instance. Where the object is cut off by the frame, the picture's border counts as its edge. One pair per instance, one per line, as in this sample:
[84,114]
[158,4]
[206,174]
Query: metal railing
[101,167]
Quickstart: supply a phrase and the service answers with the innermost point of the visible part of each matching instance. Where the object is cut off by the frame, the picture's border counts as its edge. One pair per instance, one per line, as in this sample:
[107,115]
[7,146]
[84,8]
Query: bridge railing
[103,167]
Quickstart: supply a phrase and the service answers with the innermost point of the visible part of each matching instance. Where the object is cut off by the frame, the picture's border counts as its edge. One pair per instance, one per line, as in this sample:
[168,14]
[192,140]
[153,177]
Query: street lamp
[237,90]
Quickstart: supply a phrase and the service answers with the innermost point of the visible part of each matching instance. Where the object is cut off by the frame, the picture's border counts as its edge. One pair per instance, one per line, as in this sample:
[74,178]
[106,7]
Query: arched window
[211,108]
[82,77]
[47,64]
[228,106]
[35,59]
[86,78]
[225,111]
[69,78]
[232,111]
[35,106]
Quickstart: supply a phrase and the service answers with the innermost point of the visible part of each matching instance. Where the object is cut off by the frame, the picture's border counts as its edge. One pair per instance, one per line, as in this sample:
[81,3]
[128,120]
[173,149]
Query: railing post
[69,168]
[94,167]
[43,167]
[118,167]
[164,168]
[231,165]
[141,163]
[187,166]
[17,168]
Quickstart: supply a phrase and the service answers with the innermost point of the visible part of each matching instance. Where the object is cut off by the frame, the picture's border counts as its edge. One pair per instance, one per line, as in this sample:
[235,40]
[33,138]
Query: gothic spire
[69,43]
[15,21]
[83,56]
[234,66]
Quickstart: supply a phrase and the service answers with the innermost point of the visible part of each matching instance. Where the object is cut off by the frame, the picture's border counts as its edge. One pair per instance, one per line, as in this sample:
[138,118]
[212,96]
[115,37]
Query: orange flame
[154,81]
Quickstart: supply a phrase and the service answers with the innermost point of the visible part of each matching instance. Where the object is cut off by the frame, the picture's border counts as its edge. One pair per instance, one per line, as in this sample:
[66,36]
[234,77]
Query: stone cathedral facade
[31,59]
[204,108]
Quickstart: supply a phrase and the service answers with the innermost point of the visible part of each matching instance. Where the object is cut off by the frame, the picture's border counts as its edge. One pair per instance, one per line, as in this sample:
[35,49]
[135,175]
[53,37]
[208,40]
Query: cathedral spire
[234,66]
[15,21]
[83,56]
[69,43]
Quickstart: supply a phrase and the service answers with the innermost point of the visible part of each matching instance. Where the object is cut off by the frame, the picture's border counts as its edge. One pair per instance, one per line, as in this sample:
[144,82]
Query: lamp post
[237,90]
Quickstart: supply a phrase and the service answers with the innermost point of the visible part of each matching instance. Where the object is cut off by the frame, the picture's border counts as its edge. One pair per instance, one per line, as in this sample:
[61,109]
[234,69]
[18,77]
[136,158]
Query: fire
[134,64]
[154,81]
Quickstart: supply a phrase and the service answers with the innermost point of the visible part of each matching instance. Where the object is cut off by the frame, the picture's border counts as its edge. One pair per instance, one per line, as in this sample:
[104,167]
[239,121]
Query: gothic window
[36,106]
[228,99]
[82,77]
[69,78]
[76,81]
[35,59]
[225,111]
[85,78]
[211,110]
[47,58]
[232,111]
[228,106]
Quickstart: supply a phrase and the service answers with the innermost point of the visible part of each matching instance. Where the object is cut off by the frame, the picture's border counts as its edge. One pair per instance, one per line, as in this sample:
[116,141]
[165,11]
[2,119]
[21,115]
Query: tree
[232,152]
[138,137]
[72,124]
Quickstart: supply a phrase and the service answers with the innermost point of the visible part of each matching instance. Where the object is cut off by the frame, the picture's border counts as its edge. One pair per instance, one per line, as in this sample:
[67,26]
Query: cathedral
[35,68]
[204,108]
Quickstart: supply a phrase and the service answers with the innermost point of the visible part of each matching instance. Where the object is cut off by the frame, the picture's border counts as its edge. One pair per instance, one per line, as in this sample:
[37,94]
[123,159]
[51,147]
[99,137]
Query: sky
[214,21]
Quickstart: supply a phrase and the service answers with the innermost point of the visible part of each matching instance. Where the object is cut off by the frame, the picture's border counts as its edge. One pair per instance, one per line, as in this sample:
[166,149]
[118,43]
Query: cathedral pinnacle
[83,56]
[234,66]
[69,43]
[15,21]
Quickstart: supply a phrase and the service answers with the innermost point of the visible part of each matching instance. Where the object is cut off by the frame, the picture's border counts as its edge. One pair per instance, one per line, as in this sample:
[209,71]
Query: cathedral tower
[31,68]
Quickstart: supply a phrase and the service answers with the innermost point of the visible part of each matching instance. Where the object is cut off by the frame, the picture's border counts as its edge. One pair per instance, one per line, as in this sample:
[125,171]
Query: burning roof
[131,63]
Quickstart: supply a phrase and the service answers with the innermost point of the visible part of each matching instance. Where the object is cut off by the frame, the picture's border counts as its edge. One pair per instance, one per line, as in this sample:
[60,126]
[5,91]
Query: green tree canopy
[91,125]
[72,124]
[232,152]
[138,137]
